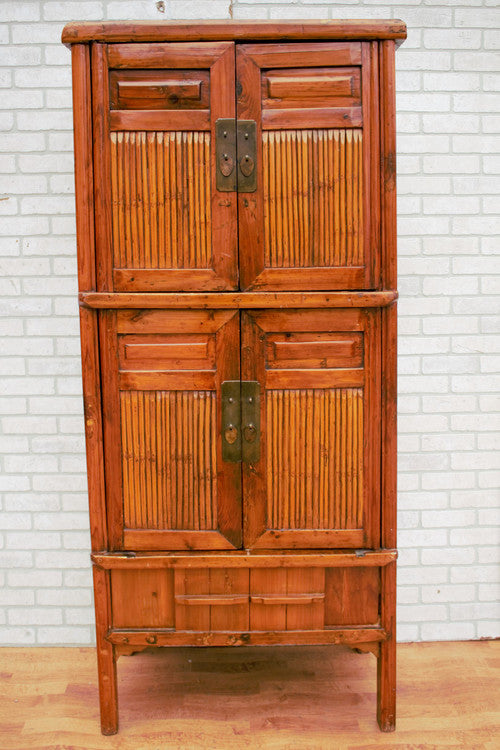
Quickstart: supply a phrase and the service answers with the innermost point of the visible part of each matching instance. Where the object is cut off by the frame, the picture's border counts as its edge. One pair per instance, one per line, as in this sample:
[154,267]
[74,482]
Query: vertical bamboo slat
[315,458]
[169,459]
[313,186]
[160,186]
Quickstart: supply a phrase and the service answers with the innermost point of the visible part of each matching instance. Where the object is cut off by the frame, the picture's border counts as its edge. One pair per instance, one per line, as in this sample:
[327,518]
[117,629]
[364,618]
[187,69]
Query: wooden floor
[310,698]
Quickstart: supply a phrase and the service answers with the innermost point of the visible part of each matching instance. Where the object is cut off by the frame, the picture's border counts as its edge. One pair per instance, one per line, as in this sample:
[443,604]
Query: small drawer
[287,598]
[256,599]
[212,599]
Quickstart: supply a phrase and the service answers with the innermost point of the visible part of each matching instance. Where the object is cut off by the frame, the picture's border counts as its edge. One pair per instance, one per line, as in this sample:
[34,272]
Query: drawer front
[212,599]
[287,599]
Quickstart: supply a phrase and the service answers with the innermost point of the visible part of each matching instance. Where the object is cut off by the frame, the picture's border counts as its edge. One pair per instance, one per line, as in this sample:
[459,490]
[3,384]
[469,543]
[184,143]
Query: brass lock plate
[240,424]
[246,140]
[236,155]
[231,420]
[225,155]
[250,421]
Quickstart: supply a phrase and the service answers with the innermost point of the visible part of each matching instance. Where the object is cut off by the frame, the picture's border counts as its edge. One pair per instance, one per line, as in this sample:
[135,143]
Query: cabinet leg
[106,657]
[386,686]
[108,697]
[386,663]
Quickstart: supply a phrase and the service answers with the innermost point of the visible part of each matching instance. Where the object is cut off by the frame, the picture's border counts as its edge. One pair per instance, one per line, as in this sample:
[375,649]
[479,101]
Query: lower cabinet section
[245,599]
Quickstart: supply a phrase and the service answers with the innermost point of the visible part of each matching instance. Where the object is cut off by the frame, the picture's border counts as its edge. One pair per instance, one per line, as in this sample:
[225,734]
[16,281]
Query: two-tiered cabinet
[235,190]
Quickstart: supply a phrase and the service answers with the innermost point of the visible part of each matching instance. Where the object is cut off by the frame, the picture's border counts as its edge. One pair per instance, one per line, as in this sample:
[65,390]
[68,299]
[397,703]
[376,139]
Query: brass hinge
[236,155]
[240,426]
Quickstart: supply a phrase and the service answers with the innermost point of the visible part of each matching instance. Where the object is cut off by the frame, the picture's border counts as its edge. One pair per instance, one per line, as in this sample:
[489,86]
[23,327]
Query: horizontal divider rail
[222,300]
[330,559]
[170,637]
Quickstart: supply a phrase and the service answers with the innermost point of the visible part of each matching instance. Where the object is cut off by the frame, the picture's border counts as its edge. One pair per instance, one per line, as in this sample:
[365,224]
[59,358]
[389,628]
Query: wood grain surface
[307,698]
[313,251]
[157,31]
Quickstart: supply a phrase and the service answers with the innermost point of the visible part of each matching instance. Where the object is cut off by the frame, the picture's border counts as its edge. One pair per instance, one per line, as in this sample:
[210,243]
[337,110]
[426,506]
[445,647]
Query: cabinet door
[167,486]
[316,482]
[162,224]
[313,221]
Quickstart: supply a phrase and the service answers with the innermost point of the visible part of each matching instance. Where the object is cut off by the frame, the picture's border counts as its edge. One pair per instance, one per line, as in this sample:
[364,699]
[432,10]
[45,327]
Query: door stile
[369,241]
[251,227]
[229,511]
[372,427]
[224,205]
[254,475]
[111,428]
[371,198]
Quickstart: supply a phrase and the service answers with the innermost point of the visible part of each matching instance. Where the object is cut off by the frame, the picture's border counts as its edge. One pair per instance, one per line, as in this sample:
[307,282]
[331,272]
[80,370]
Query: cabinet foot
[108,696]
[386,686]
[106,655]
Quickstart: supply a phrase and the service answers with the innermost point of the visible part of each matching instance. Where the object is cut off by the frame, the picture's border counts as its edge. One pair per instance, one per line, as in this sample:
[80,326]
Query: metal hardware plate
[240,426]
[250,420]
[225,155]
[246,141]
[236,155]
[231,420]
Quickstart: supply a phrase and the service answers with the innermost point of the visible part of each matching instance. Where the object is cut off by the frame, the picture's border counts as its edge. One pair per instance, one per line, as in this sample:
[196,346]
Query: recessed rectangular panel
[159,89]
[310,88]
[167,352]
[142,598]
[319,349]
[352,596]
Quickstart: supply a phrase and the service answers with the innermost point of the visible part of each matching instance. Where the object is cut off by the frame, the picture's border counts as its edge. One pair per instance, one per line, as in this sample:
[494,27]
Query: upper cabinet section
[162,222]
[237,162]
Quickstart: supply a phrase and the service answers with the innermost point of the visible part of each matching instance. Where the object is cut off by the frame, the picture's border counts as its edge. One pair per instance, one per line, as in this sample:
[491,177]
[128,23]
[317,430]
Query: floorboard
[310,698]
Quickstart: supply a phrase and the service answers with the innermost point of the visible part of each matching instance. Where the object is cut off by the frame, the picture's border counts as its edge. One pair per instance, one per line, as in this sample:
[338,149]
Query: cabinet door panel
[167,486]
[310,224]
[163,223]
[316,483]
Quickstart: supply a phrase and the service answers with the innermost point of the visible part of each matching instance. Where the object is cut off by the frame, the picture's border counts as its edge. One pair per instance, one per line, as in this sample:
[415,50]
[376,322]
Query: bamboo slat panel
[169,459]
[160,184]
[315,458]
[313,197]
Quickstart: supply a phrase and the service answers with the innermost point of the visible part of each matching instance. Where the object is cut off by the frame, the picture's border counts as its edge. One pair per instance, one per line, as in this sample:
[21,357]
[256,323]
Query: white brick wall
[449,324]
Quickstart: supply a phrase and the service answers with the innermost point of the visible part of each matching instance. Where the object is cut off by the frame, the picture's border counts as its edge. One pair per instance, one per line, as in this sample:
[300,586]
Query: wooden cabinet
[235,189]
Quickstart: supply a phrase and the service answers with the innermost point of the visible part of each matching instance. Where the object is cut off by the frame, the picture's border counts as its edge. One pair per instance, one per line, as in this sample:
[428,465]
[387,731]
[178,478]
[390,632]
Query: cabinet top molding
[169,31]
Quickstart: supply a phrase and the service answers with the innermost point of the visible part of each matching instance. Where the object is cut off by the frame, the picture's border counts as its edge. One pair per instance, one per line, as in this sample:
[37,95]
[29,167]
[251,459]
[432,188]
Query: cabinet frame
[95,296]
